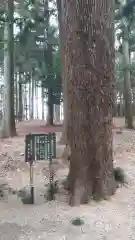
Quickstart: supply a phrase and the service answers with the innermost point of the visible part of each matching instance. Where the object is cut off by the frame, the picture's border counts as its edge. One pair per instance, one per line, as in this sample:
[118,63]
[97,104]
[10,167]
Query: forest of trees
[30,58]
[79,52]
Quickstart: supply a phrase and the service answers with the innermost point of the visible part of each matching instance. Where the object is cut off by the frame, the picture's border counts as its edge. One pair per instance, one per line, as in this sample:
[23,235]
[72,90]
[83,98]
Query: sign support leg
[31,183]
[51,180]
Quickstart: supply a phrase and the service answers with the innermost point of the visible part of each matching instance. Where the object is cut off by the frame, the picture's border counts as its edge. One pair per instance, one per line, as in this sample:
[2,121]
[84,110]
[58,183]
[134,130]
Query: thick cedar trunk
[90,72]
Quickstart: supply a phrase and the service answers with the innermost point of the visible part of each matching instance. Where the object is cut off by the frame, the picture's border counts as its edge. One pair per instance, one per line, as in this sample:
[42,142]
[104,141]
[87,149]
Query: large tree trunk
[90,73]
[8,128]
[127,81]
[60,7]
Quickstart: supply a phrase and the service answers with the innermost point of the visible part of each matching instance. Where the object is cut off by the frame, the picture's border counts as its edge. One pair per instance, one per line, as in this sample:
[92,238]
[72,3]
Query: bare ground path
[110,220]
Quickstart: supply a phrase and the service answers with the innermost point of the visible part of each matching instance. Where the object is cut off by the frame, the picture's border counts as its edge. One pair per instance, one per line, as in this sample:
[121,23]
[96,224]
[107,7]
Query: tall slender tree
[127,79]
[60,7]
[8,128]
[125,23]
[49,65]
[89,49]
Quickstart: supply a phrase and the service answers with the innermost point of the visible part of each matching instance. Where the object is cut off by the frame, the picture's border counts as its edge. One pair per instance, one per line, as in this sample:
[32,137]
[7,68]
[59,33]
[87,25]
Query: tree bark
[8,125]
[89,49]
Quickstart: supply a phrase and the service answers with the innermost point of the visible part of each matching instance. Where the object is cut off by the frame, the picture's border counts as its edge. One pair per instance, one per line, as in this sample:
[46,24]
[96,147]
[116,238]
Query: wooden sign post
[38,147]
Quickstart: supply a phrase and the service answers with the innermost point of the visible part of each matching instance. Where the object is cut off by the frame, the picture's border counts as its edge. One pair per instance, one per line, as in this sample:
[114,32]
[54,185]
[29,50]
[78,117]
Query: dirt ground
[109,220]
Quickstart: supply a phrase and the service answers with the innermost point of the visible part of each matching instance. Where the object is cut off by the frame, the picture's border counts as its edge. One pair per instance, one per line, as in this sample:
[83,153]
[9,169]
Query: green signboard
[40,146]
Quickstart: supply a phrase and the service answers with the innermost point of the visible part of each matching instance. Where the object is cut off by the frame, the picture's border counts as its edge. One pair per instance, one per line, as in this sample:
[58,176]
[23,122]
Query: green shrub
[52,189]
[120,176]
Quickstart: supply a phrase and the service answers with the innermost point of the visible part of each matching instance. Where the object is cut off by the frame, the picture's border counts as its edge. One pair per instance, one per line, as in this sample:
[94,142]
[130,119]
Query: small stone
[21,154]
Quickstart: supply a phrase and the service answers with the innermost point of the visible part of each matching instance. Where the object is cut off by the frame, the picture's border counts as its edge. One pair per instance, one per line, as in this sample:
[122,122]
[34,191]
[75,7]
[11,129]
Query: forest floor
[111,220]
